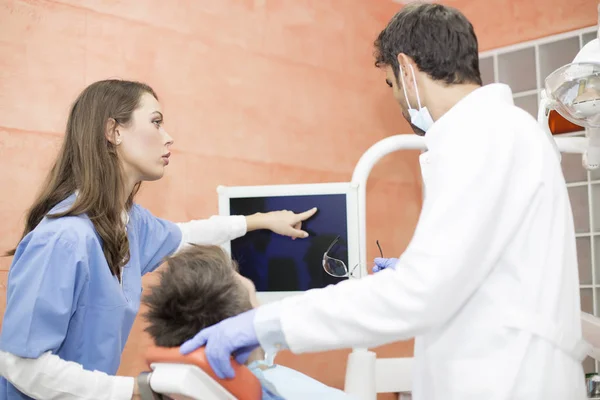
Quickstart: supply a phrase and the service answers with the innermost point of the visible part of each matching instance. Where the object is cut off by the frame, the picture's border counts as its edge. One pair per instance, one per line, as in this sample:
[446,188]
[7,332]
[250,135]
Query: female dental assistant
[74,285]
[488,285]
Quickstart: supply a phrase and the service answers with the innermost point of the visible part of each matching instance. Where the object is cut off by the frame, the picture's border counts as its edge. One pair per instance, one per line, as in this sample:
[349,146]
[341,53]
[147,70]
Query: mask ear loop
[404,87]
[415,83]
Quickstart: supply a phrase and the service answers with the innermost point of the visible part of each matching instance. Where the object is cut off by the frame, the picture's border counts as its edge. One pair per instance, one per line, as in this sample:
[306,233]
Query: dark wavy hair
[197,289]
[439,39]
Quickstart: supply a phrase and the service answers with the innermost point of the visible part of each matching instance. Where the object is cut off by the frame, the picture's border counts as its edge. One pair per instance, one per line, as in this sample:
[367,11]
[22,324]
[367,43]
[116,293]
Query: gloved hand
[383,263]
[235,335]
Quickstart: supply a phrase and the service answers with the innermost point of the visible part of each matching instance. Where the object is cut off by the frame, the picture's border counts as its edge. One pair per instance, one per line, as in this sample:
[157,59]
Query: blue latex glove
[235,335]
[383,263]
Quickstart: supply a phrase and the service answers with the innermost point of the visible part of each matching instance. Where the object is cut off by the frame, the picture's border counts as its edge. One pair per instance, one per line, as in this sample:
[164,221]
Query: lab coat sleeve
[216,230]
[267,325]
[466,222]
[50,377]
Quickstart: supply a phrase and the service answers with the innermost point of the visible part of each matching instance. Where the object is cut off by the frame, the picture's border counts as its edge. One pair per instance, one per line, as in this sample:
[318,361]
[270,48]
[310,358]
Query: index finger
[194,343]
[306,214]
[219,360]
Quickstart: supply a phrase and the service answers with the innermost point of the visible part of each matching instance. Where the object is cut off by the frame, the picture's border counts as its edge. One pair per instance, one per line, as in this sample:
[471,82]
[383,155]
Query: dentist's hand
[383,263]
[234,335]
[286,223]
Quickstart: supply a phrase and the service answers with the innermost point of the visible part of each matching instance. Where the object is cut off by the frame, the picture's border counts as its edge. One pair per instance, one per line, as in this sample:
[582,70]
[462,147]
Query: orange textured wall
[501,23]
[254,92]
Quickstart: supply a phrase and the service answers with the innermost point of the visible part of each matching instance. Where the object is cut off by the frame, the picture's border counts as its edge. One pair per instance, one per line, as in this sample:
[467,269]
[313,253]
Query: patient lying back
[199,287]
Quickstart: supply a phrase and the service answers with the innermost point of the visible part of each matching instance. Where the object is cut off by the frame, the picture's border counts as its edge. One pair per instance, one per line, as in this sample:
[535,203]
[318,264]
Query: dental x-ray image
[279,264]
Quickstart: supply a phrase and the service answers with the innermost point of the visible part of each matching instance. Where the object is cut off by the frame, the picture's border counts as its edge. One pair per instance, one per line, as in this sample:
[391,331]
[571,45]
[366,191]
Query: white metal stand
[363,377]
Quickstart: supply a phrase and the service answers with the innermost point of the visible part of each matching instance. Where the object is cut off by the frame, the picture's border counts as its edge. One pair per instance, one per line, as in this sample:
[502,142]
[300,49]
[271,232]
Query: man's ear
[112,133]
[405,62]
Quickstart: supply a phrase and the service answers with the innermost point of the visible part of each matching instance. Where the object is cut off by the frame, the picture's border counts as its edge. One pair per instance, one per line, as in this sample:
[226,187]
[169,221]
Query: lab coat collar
[489,94]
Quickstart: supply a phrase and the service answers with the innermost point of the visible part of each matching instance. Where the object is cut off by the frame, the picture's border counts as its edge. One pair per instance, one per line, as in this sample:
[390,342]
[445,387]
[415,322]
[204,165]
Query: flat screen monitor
[278,265]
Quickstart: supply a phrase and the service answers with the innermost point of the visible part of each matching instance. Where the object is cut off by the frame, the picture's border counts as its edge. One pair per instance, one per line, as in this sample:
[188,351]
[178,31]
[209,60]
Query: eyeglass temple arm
[332,244]
[379,247]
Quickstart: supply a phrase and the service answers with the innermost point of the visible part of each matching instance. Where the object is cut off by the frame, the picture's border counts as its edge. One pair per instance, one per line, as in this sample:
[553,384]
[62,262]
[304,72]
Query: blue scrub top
[63,298]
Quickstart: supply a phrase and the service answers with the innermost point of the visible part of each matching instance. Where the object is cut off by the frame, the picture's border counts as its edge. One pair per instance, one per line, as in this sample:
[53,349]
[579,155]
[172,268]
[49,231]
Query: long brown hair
[88,163]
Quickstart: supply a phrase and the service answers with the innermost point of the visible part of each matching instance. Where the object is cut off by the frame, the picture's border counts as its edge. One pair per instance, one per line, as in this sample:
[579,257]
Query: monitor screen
[279,264]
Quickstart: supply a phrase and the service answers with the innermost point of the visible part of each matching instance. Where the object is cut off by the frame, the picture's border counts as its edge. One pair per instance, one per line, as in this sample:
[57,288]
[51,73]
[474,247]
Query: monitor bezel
[226,193]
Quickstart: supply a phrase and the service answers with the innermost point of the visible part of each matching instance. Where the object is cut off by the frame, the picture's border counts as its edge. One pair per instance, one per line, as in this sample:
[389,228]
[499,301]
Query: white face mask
[419,118]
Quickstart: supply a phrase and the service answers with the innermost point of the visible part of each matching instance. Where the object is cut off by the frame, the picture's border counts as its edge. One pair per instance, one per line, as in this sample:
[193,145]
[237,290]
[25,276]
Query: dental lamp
[570,101]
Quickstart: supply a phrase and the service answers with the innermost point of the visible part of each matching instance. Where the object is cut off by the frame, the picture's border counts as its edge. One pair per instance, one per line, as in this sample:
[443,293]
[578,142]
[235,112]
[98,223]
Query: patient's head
[199,287]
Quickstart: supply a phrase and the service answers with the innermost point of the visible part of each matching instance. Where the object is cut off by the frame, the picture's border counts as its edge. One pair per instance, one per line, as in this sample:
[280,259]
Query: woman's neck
[130,179]
[129,184]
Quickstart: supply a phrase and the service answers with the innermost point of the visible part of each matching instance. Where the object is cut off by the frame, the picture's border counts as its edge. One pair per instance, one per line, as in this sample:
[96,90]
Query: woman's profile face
[144,143]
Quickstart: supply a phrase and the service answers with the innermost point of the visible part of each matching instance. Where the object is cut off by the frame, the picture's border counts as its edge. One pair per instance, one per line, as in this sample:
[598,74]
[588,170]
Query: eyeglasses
[336,267]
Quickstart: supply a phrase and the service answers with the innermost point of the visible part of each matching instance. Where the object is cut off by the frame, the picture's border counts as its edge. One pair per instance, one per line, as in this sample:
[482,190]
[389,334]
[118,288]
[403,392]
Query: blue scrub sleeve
[45,280]
[158,238]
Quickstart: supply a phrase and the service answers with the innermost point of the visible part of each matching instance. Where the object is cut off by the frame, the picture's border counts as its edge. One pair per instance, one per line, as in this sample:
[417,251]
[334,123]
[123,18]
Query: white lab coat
[488,284]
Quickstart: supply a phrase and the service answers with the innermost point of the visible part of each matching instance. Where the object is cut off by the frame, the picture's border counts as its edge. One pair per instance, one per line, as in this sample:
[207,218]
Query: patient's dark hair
[198,288]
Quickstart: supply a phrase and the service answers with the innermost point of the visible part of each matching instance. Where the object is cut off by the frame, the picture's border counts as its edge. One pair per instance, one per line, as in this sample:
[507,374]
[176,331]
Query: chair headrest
[245,385]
